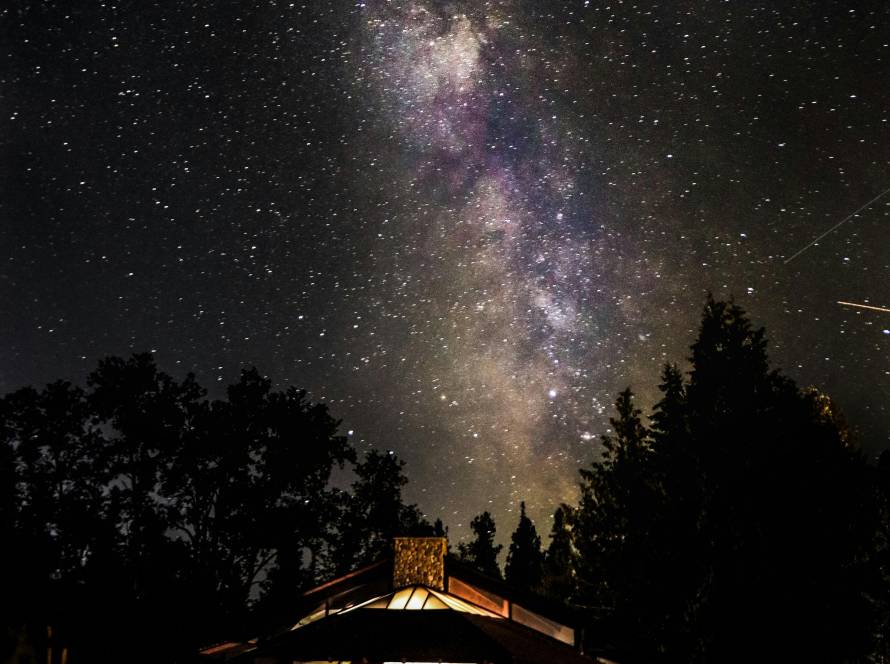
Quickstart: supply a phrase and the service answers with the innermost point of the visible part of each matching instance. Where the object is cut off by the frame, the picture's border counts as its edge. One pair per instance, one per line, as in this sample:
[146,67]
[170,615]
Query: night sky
[463,225]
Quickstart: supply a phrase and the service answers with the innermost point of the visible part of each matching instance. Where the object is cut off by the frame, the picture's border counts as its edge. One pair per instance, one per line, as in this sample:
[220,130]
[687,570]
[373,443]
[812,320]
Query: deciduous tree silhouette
[57,519]
[251,496]
[177,519]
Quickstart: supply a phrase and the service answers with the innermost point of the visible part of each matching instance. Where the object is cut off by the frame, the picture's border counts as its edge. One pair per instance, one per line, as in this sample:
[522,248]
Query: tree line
[137,511]
[739,520]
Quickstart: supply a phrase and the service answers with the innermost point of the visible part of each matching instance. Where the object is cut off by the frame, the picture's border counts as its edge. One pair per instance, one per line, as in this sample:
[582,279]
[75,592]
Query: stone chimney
[419,561]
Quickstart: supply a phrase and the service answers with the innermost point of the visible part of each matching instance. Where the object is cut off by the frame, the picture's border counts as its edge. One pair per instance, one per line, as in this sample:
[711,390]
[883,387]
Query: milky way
[464,225]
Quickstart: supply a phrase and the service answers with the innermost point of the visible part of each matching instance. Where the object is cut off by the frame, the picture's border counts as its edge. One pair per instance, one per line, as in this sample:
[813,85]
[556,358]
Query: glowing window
[400,599]
[418,597]
[433,602]
[312,617]
[478,596]
[459,605]
[544,625]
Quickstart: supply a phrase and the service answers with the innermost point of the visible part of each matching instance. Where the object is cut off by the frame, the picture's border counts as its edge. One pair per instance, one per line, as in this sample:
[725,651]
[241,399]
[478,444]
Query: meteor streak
[838,225]
[864,306]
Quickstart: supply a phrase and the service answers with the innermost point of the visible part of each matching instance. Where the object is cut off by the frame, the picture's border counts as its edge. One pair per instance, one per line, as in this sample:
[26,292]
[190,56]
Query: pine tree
[560,559]
[669,415]
[375,513]
[613,515]
[525,561]
[613,528]
[740,524]
[481,552]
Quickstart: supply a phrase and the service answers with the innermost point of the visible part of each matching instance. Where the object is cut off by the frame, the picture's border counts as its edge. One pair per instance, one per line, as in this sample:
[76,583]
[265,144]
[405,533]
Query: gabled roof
[419,636]
[421,598]
[419,605]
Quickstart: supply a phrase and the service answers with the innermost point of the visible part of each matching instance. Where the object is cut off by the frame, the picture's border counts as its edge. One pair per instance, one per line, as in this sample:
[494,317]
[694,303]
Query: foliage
[739,524]
[481,552]
[525,561]
[560,559]
[177,518]
[880,581]
[375,513]
[736,523]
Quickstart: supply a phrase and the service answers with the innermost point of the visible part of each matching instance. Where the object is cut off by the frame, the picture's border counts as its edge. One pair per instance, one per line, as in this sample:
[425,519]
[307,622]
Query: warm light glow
[400,599]
[544,625]
[418,597]
[465,607]
[479,597]
[312,617]
[421,598]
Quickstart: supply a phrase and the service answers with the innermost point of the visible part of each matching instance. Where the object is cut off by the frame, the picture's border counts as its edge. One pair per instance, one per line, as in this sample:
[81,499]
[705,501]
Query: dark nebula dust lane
[464,225]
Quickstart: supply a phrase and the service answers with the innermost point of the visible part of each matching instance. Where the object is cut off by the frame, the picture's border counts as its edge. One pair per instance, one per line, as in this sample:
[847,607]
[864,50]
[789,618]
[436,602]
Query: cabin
[416,605]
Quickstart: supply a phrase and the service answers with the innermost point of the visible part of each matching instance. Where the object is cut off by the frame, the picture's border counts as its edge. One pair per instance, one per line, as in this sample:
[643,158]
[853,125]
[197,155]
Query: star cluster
[464,225]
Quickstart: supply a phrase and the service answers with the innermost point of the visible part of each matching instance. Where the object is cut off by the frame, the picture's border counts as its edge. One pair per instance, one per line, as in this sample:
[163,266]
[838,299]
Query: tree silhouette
[880,581]
[374,513]
[143,414]
[740,524]
[440,529]
[178,519]
[525,561]
[481,552]
[249,487]
[614,525]
[560,559]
